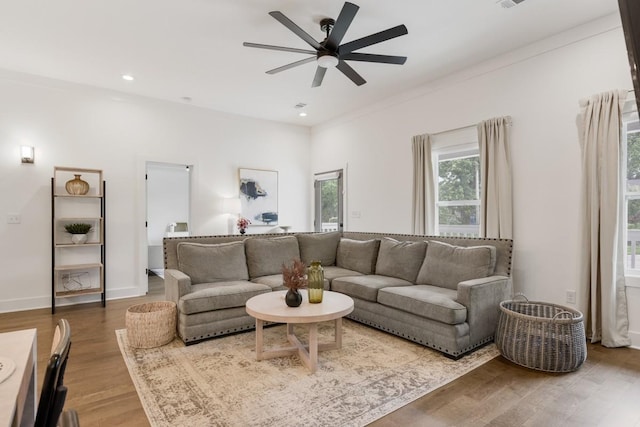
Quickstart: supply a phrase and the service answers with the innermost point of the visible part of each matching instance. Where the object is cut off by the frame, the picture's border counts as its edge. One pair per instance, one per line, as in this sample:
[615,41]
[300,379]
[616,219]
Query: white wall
[540,87]
[72,125]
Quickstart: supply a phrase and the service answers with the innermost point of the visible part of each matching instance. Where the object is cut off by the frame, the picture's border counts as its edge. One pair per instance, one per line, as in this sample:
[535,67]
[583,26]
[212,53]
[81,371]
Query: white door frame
[142,258]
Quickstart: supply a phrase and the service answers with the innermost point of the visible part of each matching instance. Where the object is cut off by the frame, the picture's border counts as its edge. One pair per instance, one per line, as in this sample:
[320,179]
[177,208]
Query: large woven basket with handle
[542,336]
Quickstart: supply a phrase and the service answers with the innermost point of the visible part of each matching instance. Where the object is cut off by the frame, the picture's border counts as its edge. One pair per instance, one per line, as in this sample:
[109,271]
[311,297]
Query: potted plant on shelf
[242,224]
[78,232]
[294,278]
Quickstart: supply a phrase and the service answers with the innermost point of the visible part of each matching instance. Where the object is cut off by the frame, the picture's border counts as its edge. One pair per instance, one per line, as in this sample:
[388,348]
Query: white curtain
[603,252]
[423,187]
[496,218]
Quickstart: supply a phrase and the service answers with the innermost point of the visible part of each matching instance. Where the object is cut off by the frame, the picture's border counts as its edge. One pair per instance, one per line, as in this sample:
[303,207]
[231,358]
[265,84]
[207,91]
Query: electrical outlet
[571,297]
[13,218]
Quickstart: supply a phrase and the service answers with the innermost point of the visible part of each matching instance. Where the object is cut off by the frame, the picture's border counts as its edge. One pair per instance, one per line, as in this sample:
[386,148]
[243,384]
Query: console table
[18,400]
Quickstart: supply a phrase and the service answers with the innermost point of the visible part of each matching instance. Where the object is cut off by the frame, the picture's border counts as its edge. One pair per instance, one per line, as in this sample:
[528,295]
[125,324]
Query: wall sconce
[26,153]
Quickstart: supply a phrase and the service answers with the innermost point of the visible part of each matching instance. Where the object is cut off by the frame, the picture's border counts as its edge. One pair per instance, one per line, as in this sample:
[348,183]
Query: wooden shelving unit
[77,269]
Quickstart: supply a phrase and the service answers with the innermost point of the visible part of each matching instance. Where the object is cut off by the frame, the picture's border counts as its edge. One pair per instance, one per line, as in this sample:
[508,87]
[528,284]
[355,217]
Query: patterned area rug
[219,383]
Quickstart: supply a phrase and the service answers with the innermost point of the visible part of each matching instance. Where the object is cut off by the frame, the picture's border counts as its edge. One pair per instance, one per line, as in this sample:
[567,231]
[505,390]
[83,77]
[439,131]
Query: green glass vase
[315,282]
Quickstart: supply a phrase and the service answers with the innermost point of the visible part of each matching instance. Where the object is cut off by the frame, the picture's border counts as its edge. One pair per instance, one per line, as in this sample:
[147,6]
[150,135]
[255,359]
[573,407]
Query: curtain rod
[453,130]
[467,127]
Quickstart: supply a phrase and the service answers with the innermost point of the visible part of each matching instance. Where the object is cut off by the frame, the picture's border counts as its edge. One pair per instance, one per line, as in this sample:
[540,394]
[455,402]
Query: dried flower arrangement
[294,277]
[242,223]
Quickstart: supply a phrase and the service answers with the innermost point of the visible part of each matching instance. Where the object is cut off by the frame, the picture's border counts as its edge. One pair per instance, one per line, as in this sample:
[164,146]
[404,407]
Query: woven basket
[541,336]
[151,324]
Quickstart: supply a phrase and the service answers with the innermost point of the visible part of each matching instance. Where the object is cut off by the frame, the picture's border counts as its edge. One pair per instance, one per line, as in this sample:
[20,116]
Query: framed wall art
[259,196]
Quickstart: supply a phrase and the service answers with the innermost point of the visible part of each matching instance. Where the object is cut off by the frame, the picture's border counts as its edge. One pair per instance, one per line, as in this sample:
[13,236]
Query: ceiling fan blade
[317,79]
[351,73]
[369,57]
[391,33]
[293,64]
[285,49]
[341,26]
[279,16]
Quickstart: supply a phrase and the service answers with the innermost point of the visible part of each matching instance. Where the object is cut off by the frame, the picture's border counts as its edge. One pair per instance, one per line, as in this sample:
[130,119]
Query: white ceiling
[193,48]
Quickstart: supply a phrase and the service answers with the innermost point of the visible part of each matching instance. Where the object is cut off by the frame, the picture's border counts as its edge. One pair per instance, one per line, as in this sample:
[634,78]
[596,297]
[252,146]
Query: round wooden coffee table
[271,307]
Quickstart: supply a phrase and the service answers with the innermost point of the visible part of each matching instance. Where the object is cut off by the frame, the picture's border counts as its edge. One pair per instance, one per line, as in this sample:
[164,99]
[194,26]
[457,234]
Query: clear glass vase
[315,282]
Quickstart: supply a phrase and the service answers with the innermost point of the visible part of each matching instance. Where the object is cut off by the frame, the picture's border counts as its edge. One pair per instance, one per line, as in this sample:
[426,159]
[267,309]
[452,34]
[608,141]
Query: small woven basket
[541,336]
[151,324]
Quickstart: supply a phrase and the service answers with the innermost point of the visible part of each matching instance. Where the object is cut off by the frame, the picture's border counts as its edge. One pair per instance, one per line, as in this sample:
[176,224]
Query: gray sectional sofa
[441,292]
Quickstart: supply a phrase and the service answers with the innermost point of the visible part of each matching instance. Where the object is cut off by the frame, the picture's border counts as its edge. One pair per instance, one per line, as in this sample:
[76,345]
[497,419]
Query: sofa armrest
[482,297]
[176,285]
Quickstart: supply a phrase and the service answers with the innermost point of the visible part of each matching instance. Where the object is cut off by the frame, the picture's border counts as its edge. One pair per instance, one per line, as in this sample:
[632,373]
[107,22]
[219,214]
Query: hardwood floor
[605,391]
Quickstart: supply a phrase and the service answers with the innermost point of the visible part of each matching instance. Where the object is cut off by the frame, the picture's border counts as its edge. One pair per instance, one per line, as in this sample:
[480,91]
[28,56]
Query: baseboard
[635,339]
[24,304]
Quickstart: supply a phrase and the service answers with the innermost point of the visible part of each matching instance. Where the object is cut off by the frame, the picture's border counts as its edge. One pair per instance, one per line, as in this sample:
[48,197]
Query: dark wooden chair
[54,392]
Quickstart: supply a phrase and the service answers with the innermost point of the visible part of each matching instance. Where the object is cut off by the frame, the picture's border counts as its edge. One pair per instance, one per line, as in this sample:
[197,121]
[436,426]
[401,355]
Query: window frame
[451,149]
[630,115]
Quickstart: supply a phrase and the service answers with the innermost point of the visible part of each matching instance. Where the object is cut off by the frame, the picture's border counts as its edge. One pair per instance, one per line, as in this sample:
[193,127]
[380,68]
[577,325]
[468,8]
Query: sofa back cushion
[265,256]
[400,259]
[319,247]
[358,255]
[446,265]
[212,263]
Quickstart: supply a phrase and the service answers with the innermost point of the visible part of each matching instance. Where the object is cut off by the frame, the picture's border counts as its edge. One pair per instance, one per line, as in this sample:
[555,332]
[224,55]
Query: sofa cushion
[331,272]
[400,259]
[265,256]
[358,255]
[274,281]
[432,302]
[212,263]
[447,265]
[217,296]
[366,286]
[319,247]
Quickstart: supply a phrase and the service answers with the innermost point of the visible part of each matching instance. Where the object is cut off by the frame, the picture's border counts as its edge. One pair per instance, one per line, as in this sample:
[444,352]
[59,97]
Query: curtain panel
[602,261]
[496,218]
[423,187]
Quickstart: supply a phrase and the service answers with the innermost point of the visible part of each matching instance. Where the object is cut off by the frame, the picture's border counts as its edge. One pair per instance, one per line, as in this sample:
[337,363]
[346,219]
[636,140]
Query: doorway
[328,189]
[168,189]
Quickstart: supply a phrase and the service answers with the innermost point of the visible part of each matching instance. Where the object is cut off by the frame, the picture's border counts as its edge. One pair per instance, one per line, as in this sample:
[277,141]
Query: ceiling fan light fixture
[327,61]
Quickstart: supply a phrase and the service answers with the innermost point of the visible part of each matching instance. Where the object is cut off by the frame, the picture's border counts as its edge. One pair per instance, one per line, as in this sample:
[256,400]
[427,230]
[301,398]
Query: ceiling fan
[329,52]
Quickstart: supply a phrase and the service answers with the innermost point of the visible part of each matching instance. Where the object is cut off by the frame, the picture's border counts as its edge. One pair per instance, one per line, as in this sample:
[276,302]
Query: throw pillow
[400,259]
[212,263]
[265,256]
[319,247]
[446,265]
[358,255]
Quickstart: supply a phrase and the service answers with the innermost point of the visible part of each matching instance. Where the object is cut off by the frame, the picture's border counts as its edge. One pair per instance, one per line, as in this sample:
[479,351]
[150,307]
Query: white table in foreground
[271,307]
[18,392]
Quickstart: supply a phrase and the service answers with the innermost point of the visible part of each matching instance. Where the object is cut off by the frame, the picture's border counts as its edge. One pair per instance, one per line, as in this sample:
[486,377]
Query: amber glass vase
[315,282]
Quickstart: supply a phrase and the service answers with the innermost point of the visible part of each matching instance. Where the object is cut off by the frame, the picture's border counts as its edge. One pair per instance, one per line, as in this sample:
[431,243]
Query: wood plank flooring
[605,391]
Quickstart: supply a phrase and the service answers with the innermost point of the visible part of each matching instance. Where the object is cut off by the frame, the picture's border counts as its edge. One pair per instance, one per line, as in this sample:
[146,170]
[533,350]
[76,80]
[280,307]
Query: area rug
[219,383]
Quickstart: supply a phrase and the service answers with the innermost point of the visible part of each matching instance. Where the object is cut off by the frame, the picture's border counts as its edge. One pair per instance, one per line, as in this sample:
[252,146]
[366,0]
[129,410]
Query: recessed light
[302,114]
[127,77]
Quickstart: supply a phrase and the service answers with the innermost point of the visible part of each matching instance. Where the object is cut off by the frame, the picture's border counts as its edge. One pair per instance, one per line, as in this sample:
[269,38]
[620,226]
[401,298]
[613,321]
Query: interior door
[168,200]
[328,201]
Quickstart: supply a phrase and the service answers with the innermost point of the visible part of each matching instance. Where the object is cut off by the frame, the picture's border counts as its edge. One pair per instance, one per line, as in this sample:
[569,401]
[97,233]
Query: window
[328,201]
[458,191]
[456,168]
[631,174]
